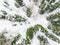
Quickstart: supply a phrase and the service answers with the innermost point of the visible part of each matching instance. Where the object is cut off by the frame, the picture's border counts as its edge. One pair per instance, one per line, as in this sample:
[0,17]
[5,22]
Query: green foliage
[43,40]
[44,30]
[4,12]
[27,41]
[28,12]
[53,37]
[19,18]
[15,39]
[53,16]
[2,39]
[33,30]
[6,3]
[30,33]
[47,6]
[55,23]
[16,18]
[19,3]
[2,17]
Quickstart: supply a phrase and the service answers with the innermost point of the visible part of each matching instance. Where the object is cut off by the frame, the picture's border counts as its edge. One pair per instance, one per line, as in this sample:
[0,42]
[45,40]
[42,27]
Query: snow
[36,18]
